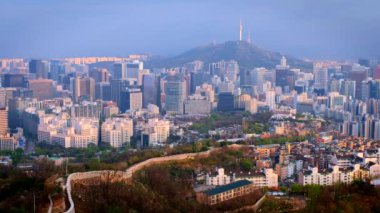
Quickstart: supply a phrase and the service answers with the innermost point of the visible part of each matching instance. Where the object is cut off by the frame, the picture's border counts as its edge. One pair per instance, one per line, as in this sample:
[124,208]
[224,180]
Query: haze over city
[323,29]
[203,106]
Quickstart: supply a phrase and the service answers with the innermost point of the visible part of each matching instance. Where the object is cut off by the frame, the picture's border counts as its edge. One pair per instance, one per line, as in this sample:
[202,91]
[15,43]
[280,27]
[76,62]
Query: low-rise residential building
[265,178]
[330,176]
[217,178]
[226,192]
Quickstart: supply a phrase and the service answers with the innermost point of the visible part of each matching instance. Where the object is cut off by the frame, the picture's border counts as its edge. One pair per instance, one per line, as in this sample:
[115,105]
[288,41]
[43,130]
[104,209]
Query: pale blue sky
[338,29]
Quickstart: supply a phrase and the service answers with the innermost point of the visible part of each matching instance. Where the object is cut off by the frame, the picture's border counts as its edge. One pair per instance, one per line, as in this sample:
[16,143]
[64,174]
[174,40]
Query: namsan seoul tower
[241,31]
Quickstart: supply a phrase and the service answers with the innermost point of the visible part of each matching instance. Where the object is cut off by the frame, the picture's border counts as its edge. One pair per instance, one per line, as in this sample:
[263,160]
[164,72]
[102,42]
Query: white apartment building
[68,132]
[266,178]
[117,131]
[159,127]
[329,177]
[217,178]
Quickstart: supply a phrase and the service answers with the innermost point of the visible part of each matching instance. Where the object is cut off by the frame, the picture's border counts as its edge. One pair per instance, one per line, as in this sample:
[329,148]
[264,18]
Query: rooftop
[228,187]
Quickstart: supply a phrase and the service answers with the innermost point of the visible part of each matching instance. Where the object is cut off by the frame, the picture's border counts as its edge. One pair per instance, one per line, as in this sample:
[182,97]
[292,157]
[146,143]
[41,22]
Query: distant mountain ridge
[246,54]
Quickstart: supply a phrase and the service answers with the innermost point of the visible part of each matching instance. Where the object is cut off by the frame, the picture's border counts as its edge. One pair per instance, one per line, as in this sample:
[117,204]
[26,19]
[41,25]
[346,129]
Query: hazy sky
[341,29]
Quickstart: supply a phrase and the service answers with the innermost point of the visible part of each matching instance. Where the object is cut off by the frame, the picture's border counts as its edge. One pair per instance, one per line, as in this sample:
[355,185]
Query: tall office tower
[345,68]
[285,78]
[364,62]
[259,77]
[194,66]
[336,100]
[57,70]
[206,90]
[4,97]
[196,79]
[13,80]
[321,79]
[358,74]
[175,91]
[43,89]
[142,73]
[83,88]
[370,89]
[3,121]
[256,76]
[348,88]
[40,68]
[117,132]
[132,69]
[103,91]
[270,99]
[226,102]
[334,85]
[217,68]
[151,90]
[246,77]
[119,71]
[226,86]
[99,75]
[117,86]
[131,99]
[231,70]
[376,72]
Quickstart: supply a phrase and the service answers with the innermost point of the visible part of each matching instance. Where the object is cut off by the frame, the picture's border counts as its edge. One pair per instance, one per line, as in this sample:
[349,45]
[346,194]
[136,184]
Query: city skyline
[42,29]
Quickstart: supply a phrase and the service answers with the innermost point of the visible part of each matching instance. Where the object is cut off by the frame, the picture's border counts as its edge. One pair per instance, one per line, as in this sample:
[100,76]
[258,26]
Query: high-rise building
[321,79]
[270,99]
[175,91]
[103,91]
[196,79]
[348,88]
[39,68]
[197,104]
[155,132]
[86,109]
[83,88]
[43,89]
[206,90]
[336,101]
[119,71]
[131,99]
[3,121]
[57,70]
[285,78]
[69,132]
[132,69]
[231,70]
[358,74]
[118,86]
[151,90]
[376,72]
[13,80]
[99,75]
[226,102]
[117,132]
[334,85]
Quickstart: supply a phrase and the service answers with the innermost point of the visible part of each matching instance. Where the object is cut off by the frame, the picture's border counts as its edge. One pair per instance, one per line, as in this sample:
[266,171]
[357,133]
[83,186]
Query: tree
[17,156]
[296,188]
[246,164]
